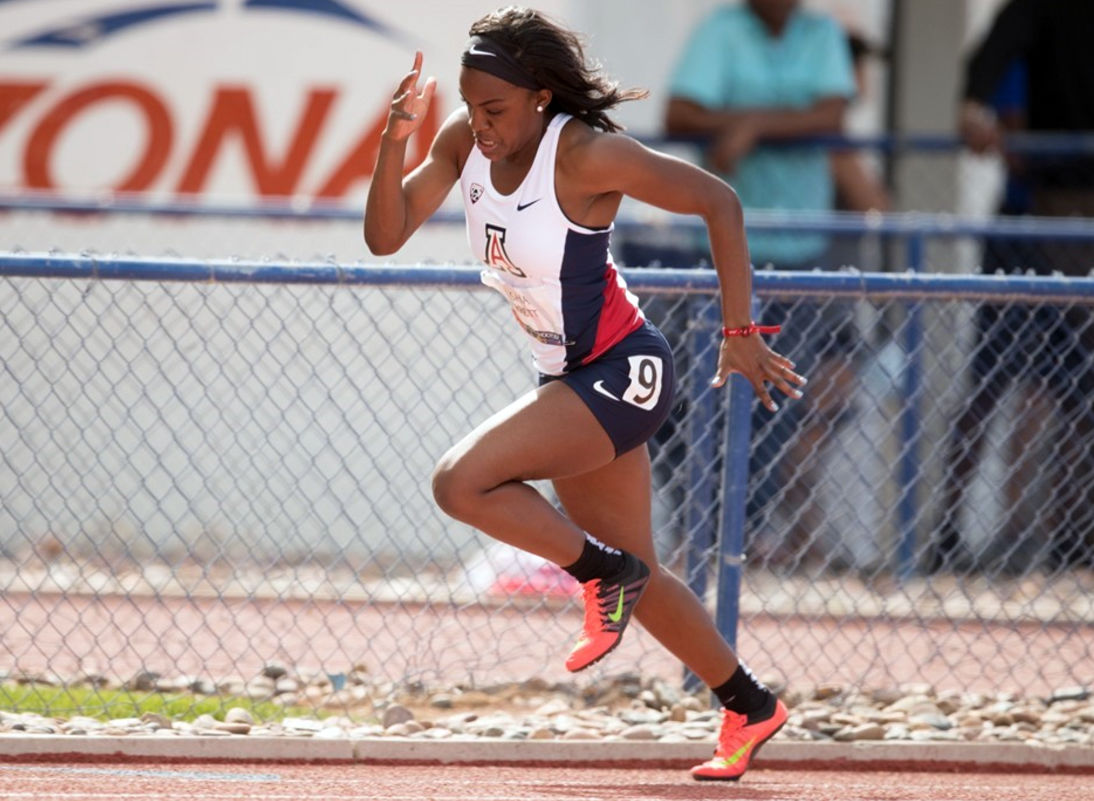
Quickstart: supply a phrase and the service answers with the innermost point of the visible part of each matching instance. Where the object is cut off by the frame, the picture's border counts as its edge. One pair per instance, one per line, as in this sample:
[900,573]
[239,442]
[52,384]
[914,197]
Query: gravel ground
[620,708]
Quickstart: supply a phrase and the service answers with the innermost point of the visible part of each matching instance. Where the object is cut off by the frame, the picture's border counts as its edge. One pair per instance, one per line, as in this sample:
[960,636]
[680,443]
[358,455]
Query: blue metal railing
[728,531]
[898,225]
[1076,143]
[767,283]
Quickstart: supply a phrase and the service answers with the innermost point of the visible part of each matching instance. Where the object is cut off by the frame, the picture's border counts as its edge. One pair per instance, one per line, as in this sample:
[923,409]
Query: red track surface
[446,644]
[266,782]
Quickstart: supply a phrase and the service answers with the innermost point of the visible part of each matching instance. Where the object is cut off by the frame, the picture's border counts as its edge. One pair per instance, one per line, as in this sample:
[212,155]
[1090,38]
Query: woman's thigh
[548,433]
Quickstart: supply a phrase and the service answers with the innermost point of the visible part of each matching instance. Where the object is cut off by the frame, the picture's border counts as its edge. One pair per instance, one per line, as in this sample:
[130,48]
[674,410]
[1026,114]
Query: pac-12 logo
[496,256]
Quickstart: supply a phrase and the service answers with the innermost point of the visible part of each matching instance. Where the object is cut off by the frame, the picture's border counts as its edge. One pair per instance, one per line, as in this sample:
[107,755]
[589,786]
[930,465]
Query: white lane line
[261,796]
[186,775]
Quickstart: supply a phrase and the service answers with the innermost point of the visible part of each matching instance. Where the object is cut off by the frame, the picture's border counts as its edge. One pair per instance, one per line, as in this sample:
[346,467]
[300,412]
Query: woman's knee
[445,481]
[453,489]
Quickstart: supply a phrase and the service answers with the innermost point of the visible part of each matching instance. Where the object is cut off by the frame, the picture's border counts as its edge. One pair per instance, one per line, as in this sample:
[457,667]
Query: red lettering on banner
[361,159]
[358,163]
[13,96]
[233,113]
[36,165]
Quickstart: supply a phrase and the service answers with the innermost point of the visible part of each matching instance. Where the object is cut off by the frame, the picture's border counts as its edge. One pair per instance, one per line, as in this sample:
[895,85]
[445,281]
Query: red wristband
[750,329]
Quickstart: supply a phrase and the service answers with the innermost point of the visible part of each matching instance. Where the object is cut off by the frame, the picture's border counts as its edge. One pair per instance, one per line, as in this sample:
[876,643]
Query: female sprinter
[542,171]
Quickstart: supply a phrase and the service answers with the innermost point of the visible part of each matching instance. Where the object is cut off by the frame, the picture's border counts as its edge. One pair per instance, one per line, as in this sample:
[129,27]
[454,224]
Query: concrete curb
[392,750]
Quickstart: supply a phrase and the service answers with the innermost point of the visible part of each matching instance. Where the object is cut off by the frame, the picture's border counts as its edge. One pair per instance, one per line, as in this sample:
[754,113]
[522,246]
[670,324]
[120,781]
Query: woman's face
[502,116]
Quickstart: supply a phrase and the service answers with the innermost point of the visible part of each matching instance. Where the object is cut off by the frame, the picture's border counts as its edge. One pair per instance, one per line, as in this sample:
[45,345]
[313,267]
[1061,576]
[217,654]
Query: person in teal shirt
[758,71]
[751,74]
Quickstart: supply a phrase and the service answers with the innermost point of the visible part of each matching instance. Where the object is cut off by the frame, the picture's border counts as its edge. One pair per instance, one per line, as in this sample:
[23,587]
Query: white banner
[229,98]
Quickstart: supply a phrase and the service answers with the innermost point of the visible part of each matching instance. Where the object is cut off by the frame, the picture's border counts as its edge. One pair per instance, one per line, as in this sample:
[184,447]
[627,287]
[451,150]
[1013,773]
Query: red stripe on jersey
[618,316]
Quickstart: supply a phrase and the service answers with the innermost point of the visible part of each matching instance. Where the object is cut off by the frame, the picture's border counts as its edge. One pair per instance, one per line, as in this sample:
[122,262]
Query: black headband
[487,55]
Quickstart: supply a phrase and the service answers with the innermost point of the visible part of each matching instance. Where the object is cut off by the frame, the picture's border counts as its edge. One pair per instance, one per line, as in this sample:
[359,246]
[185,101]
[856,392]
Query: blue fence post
[701,436]
[910,422]
[738,440]
[704,320]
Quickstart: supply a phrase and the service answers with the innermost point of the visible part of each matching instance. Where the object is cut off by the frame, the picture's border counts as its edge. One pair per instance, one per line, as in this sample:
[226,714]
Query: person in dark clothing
[1050,347]
[1053,41]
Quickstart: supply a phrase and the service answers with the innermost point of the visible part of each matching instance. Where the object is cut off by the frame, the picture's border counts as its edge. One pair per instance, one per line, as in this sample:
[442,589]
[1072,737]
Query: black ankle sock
[597,561]
[742,693]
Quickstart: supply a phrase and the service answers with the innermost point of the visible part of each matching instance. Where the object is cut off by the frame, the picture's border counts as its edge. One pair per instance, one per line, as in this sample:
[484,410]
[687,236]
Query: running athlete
[542,171]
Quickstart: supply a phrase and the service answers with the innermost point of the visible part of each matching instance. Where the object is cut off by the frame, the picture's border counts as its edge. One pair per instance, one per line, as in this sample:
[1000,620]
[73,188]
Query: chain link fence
[212,467]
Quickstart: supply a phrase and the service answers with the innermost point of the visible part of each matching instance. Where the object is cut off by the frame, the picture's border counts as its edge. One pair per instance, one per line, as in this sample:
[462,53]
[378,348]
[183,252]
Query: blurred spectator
[765,70]
[1033,70]
[1052,41]
[751,74]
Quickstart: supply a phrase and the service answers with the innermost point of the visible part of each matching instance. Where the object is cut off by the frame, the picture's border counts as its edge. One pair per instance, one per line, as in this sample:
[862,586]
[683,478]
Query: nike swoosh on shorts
[599,387]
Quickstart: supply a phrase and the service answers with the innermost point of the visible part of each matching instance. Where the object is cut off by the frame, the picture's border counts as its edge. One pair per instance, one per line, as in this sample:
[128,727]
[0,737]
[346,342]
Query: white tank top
[558,276]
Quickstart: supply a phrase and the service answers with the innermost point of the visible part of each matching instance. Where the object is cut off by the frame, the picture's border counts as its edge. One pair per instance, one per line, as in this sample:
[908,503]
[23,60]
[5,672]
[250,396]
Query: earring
[539,108]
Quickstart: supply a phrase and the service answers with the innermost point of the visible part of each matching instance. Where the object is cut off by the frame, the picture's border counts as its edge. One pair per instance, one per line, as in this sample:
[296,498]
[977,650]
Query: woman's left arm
[607,163]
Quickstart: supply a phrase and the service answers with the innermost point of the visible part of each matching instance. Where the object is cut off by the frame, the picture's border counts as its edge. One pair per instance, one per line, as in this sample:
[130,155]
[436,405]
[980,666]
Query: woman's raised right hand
[409,106]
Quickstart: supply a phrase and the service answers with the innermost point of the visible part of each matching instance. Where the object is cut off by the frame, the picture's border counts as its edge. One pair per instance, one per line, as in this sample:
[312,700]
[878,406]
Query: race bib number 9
[645,388]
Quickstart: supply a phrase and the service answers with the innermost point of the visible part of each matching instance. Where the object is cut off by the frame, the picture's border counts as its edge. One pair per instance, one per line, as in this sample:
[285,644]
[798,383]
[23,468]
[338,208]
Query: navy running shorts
[629,389]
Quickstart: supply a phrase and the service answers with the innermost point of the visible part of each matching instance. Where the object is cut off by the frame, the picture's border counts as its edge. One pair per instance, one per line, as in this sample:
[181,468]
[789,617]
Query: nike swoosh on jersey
[521,207]
[599,387]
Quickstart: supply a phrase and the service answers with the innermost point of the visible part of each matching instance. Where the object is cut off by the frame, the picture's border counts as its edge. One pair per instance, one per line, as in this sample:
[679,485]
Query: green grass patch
[105,704]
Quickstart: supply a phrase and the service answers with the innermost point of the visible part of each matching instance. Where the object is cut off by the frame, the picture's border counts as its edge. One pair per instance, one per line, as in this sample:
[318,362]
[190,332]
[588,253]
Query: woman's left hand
[750,356]
[409,105]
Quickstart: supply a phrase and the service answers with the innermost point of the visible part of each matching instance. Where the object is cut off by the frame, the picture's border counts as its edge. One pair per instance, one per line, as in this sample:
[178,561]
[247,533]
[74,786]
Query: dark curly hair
[555,57]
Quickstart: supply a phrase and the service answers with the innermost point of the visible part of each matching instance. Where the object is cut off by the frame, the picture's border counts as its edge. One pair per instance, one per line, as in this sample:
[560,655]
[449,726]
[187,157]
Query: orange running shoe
[739,740]
[608,606]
